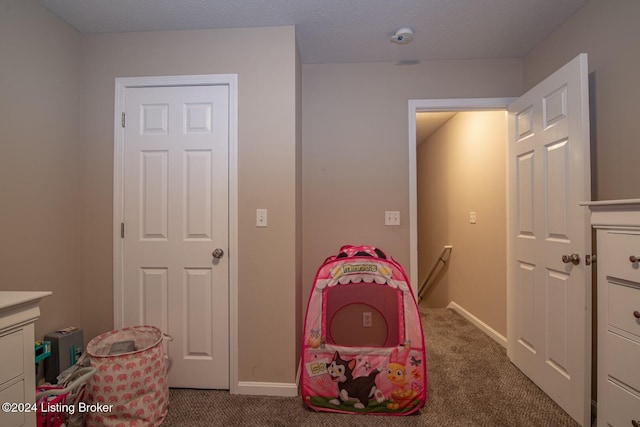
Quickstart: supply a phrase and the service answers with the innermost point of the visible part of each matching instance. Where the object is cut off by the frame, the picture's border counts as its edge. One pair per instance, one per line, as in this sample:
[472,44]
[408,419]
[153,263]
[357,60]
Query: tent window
[345,305]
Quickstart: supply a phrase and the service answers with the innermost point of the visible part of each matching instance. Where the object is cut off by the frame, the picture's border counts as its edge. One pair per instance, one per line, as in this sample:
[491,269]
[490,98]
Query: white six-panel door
[176,143]
[549,301]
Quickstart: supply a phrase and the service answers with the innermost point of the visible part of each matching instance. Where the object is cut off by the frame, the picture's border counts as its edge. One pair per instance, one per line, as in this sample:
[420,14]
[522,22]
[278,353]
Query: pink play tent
[363,347]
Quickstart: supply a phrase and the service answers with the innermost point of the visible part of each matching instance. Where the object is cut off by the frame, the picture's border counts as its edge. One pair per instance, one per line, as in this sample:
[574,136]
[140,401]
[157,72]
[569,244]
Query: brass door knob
[573,258]
[217,253]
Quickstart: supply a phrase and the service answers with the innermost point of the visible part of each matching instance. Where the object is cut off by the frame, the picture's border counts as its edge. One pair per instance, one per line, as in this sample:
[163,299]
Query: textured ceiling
[344,30]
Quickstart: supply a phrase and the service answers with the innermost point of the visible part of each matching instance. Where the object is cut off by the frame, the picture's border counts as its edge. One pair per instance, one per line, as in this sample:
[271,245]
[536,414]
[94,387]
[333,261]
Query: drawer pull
[636,314]
[634,259]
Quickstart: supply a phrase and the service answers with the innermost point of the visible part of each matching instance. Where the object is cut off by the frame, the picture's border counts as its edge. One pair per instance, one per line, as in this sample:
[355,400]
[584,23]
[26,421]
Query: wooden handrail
[444,256]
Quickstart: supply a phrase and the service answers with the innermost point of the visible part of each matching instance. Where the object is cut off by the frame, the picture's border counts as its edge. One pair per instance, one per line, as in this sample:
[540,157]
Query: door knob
[573,258]
[217,253]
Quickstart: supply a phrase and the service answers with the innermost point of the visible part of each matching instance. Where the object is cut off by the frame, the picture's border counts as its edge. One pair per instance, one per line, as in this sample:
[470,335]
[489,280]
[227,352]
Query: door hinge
[122,230]
[123,119]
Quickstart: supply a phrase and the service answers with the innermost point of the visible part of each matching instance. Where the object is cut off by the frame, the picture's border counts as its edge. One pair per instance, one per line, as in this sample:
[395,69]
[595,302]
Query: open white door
[549,238]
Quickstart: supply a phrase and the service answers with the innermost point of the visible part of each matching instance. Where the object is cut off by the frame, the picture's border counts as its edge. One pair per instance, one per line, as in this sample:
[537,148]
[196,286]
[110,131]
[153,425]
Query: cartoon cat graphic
[359,389]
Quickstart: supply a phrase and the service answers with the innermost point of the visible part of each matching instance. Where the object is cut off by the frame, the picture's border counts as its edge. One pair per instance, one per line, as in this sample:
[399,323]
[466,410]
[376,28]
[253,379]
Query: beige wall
[609,31]
[40,160]
[268,174]
[461,169]
[355,146]
[432,179]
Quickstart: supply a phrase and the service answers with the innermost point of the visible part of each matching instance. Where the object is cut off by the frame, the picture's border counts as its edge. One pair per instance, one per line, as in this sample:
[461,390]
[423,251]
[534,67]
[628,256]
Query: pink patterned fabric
[388,379]
[134,383]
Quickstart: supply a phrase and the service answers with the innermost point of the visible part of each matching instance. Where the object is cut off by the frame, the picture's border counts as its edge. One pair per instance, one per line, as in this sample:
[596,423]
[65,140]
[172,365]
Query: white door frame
[422,105]
[230,80]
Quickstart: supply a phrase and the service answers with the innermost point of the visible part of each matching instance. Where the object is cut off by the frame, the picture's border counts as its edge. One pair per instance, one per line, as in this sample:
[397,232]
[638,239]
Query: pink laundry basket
[129,388]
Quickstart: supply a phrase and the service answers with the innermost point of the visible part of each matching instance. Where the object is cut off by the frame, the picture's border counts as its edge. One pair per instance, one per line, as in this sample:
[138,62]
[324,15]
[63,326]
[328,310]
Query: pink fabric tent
[363,347]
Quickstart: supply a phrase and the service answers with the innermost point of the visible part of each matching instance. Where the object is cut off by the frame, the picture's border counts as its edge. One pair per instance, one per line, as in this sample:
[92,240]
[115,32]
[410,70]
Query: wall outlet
[261,217]
[391,217]
[367,320]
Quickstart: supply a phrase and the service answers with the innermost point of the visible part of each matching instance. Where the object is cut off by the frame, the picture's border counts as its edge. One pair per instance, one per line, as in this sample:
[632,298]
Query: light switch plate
[261,217]
[391,217]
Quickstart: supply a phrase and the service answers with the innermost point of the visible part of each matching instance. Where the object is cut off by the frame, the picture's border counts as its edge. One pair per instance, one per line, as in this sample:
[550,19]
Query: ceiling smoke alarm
[402,36]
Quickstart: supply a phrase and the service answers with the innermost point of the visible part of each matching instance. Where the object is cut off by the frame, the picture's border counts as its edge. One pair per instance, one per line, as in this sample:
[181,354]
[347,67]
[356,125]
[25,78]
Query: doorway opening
[458,198]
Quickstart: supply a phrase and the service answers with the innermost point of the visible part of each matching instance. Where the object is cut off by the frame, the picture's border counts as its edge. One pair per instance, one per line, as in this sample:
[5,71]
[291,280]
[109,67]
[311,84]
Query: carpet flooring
[470,383]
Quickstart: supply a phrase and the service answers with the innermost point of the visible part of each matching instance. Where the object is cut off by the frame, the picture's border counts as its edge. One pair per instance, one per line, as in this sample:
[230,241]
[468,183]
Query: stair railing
[442,260]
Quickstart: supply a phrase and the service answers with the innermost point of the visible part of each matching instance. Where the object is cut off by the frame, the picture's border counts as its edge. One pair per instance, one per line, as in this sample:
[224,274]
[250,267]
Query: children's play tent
[363,348]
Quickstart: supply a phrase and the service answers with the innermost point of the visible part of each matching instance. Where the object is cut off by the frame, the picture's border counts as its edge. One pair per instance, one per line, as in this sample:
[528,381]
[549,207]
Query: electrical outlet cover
[367,320]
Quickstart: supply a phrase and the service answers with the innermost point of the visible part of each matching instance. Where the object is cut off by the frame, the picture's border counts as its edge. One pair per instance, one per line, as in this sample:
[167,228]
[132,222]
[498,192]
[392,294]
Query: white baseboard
[252,388]
[493,334]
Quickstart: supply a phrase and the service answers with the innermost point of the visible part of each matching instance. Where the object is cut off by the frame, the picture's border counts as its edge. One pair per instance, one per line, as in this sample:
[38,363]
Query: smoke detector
[402,36]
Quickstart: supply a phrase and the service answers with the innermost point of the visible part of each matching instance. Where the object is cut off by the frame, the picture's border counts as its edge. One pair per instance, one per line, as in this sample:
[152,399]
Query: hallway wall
[462,169]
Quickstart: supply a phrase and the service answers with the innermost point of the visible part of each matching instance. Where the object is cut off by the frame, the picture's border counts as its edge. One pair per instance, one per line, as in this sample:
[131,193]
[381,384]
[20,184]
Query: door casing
[121,84]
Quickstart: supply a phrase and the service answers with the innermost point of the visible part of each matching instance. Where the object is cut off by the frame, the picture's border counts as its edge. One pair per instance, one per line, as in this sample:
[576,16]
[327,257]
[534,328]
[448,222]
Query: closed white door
[549,301]
[176,143]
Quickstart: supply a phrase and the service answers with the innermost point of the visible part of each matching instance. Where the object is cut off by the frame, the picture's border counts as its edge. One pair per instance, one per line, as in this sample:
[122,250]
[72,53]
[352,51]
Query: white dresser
[18,313]
[617,225]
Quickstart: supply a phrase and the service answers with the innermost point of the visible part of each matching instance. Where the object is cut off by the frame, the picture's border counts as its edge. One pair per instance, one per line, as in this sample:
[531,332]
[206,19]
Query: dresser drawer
[622,360]
[623,407]
[624,304]
[615,249]
[11,355]
[13,394]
